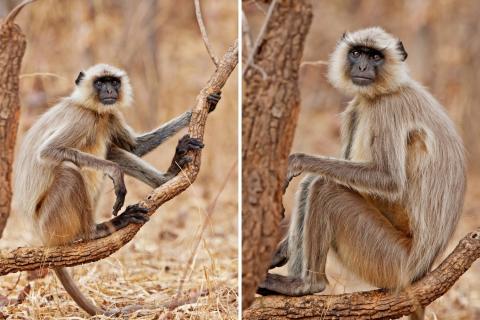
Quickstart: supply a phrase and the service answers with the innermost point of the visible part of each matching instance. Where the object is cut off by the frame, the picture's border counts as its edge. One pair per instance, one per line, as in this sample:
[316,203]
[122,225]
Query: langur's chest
[360,138]
[96,140]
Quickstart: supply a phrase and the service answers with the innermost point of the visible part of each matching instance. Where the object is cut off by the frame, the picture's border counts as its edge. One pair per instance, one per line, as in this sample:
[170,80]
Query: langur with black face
[389,205]
[66,153]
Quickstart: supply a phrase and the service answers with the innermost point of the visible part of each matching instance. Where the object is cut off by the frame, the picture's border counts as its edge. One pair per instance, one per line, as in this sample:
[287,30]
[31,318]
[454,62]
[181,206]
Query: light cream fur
[394,67]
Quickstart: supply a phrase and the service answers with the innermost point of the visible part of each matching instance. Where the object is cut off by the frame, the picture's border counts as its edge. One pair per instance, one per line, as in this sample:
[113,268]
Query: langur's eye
[115,83]
[356,53]
[376,57]
[97,84]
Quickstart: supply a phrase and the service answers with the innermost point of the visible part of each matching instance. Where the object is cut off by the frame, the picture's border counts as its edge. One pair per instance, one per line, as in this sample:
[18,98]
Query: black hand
[213,99]
[181,159]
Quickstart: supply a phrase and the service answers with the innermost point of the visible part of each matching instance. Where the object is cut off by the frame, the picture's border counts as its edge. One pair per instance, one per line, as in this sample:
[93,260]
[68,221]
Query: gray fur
[389,207]
[149,141]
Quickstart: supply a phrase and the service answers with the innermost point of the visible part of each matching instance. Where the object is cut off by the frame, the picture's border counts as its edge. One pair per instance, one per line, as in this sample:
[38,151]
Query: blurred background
[443,43]
[159,44]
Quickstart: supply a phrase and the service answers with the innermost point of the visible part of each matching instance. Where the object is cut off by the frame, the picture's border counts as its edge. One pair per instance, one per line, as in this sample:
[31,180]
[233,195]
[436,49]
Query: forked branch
[377,304]
[22,259]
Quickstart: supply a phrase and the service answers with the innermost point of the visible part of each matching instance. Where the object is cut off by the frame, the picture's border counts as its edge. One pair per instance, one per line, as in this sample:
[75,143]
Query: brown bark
[12,49]
[377,304]
[32,258]
[270,111]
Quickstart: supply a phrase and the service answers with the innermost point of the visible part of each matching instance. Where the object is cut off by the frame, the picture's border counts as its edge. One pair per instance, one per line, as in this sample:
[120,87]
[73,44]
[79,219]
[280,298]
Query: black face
[107,89]
[364,64]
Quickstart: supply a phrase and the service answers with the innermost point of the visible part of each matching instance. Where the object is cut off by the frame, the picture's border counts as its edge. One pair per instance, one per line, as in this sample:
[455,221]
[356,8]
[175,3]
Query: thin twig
[247,36]
[260,36]
[15,11]
[203,30]
[175,303]
[313,63]
[208,216]
[41,74]
[260,69]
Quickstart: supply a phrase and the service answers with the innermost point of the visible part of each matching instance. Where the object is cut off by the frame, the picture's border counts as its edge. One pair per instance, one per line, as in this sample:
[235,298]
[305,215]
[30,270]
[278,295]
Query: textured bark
[12,49]
[270,112]
[377,304]
[39,257]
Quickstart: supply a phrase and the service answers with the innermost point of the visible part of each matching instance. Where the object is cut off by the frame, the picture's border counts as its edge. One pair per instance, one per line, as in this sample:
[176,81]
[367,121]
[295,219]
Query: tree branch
[15,11]
[261,35]
[377,304]
[203,30]
[22,259]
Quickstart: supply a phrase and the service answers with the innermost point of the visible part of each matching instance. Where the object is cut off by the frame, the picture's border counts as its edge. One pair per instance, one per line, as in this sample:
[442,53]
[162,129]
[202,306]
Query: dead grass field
[159,44]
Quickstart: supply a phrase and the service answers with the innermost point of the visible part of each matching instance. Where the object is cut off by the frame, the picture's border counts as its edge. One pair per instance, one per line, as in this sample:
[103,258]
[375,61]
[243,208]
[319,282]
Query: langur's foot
[289,286]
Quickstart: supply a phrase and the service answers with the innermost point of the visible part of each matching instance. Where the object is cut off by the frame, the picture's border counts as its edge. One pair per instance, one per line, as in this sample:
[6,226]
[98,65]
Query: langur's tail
[75,293]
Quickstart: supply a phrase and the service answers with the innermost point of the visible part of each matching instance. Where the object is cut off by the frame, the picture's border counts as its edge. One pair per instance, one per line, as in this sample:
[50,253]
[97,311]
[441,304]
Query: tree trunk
[12,49]
[270,111]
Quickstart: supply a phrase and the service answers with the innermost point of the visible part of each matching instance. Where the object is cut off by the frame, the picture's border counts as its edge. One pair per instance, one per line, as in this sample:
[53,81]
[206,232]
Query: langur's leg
[294,238]
[64,212]
[363,238]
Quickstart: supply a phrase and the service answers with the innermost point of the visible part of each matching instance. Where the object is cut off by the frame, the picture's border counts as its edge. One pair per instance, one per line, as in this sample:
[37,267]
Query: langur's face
[108,89]
[365,64]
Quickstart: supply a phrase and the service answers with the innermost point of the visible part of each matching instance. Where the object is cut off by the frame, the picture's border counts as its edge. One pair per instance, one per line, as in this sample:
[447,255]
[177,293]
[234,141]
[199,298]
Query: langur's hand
[116,174]
[294,168]
[212,100]
[181,159]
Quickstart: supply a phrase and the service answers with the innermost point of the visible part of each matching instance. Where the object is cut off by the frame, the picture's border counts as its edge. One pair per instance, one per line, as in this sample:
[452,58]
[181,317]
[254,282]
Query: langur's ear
[402,50]
[79,78]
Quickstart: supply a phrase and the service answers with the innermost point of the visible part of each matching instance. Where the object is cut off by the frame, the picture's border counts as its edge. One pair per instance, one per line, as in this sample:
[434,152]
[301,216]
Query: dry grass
[159,44]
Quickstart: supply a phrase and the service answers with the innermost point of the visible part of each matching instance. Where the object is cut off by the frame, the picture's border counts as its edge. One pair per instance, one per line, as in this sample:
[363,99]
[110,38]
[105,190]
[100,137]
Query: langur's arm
[134,166]
[149,141]
[143,144]
[384,175]
[143,171]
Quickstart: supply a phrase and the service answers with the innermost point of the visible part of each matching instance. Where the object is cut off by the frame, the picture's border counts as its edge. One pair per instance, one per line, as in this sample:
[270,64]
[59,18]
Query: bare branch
[22,259]
[203,30]
[260,36]
[247,35]
[313,63]
[377,304]
[15,11]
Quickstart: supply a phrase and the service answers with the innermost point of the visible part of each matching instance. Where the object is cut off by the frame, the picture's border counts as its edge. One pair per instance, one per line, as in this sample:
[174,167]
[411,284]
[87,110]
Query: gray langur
[66,153]
[390,204]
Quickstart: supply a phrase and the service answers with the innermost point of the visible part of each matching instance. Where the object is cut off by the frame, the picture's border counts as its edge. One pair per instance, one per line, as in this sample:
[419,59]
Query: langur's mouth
[362,81]
[109,101]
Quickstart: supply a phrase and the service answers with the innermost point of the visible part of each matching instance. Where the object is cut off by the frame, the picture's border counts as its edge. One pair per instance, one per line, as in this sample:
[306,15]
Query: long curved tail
[75,293]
